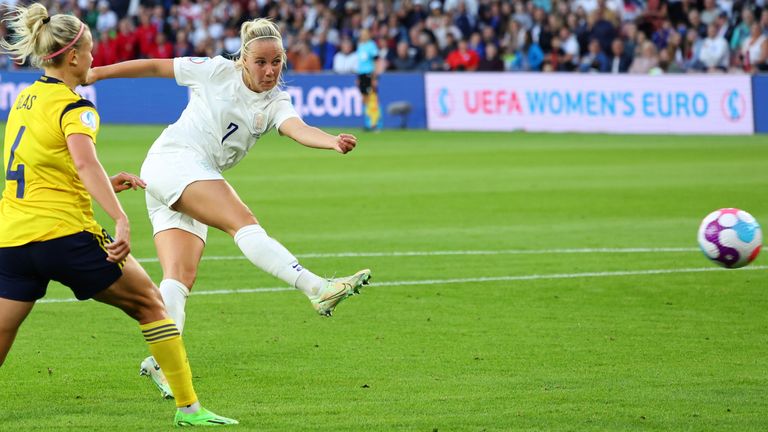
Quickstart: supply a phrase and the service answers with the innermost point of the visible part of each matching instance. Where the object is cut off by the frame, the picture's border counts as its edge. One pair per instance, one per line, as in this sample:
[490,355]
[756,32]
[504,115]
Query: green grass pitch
[521,282]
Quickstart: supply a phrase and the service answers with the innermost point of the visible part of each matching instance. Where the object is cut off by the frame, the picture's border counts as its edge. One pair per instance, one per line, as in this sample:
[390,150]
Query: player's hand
[345,143]
[121,246]
[125,181]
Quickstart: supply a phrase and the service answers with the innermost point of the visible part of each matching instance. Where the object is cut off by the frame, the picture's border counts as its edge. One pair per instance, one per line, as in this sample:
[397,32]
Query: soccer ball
[730,237]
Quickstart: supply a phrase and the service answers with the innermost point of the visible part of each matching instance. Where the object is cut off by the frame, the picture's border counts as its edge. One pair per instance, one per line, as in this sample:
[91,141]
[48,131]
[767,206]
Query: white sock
[269,255]
[175,298]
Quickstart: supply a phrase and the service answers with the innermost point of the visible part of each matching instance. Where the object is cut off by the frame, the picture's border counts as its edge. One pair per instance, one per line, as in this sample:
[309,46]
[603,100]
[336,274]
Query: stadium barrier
[760,98]
[328,100]
[684,104]
[693,104]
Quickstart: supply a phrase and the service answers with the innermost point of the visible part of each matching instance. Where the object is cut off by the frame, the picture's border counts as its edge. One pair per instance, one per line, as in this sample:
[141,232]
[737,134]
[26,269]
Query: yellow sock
[167,347]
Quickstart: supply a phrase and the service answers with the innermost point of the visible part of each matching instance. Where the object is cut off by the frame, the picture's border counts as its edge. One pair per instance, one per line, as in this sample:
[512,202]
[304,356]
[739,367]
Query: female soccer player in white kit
[232,104]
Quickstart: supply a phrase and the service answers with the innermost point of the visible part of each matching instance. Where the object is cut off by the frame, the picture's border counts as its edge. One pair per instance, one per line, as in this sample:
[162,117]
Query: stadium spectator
[104,50]
[675,47]
[463,19]
[476,44]
[91,14]
[404,60]
[432,61]
[571,50]
[695,23]
[107,19]
[514,36]
[302,59]
[385,55]
[323,49]
[212,25]
[161,48]
[146,33]
[661,36]
[462,58]
[741,31]
[668,63]
[126,41]
[595,59]
[345,61]
[619,60]
[754,50]
[183,48]
[646,61]
[714,53]
[710,12]
[231,42]
[491,62]
[528,58]
[691,49]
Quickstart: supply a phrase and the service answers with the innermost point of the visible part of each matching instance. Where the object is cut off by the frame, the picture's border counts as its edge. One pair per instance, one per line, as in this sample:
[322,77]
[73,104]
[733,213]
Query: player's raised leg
[216,204]
[136,295]
[12,314]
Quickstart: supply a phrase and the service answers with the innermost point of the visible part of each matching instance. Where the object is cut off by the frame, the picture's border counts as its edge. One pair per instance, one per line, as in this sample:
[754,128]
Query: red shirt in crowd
[465,59]
[127,45]
[105,52]
[164,50]
[146,34]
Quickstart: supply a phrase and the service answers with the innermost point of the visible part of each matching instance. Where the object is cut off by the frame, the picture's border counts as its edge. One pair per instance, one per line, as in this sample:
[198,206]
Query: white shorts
[167,175]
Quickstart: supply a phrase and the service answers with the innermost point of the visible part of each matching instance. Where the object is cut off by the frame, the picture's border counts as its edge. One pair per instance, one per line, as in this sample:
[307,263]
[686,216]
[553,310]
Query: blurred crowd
[611,36]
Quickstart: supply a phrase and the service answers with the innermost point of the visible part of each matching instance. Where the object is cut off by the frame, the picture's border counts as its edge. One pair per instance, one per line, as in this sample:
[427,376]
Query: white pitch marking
[457,252]
[473,280]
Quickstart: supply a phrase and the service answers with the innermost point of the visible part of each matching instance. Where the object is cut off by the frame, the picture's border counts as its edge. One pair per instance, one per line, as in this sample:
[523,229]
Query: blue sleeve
[535,57]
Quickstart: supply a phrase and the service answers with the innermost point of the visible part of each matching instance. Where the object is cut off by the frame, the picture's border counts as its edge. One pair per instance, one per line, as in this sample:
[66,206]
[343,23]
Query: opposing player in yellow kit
[47,228]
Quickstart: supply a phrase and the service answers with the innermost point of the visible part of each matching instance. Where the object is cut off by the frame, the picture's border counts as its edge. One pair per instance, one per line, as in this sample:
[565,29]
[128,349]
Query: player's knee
[147,307]
[242,220]
[184,274]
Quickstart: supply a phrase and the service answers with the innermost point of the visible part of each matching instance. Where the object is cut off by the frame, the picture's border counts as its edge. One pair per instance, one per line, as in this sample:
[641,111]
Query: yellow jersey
[44,198]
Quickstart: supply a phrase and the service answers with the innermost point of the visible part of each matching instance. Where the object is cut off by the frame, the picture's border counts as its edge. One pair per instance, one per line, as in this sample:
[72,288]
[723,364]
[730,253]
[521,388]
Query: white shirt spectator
[345,63]
[714,52]
[107,19]
[753,50]
[231,44]
[571,46]
[453,4]
[725,6]
[216,30]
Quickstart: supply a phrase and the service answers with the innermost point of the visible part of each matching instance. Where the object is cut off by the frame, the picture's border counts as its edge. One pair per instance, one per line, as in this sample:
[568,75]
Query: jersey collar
[49,80]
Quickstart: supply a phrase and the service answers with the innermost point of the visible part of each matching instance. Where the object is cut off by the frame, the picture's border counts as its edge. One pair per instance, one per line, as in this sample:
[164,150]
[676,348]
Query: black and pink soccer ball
[730,237]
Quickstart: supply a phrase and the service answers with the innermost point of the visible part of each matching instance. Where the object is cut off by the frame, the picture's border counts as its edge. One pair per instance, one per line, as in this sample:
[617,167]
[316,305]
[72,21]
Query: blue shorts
[78,261]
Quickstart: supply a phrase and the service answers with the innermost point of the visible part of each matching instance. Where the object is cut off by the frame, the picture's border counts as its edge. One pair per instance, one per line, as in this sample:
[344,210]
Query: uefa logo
[734,105]
[442,100]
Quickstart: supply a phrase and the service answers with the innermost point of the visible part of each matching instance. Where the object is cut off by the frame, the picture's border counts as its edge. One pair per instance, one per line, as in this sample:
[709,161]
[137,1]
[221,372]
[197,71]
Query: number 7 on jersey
[230,130]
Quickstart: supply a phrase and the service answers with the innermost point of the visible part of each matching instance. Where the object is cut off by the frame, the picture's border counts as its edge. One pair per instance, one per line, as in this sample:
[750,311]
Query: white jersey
[224,118]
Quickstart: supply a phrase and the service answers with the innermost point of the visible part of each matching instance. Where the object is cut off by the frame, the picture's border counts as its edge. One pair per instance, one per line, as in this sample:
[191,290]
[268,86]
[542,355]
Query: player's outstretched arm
[310,136]
[149,68]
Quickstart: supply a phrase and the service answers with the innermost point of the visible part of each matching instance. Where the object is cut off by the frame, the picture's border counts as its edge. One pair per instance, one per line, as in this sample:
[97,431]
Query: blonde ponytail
[37,36]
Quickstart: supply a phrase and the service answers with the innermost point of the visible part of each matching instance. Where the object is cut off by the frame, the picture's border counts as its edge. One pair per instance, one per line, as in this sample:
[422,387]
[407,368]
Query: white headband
[260,37]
